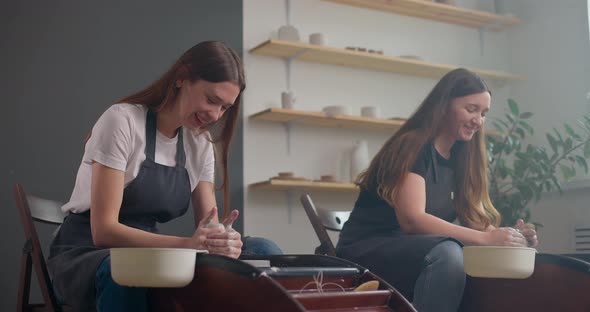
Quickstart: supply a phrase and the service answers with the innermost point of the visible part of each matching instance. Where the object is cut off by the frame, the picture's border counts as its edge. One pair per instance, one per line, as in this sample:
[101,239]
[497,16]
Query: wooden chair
[37,209]
[323,220]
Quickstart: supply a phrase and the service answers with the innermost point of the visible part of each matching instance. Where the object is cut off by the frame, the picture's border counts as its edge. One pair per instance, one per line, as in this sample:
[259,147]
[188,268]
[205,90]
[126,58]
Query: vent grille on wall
[582,236]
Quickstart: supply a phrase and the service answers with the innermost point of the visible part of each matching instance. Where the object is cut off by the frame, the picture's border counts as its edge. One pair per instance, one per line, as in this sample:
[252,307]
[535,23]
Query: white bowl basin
[499,261]
[153,267]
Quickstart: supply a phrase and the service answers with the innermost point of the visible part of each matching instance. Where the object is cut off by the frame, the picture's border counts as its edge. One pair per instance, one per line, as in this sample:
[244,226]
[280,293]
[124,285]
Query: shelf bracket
[288,62]
[288,126]
[289,198]
[481,32]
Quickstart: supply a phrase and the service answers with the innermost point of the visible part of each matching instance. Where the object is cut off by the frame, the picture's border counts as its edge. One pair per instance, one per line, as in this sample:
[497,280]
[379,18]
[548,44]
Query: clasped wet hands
[521,235]
[219,238]
[528,231]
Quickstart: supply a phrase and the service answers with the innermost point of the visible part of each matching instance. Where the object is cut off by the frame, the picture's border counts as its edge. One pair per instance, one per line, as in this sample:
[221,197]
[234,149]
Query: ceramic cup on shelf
[288,33]
[370,111]
[317,39]
[287,99]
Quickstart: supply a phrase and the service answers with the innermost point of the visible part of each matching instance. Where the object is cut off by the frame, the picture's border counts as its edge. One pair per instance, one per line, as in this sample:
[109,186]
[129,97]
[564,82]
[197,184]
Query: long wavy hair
[211,61]
[394,161]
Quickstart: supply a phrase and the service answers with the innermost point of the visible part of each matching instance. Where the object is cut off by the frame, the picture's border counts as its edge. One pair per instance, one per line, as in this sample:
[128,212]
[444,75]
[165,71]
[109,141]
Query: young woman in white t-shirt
[145,160]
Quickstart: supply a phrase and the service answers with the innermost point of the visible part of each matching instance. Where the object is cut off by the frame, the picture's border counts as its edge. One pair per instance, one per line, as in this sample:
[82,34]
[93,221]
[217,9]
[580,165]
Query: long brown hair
[211,61]
[393,162]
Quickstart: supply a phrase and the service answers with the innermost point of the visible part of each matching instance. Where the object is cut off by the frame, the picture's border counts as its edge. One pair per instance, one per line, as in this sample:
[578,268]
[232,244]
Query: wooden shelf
[322,120]
[283,185]
[437,12]
[336,56]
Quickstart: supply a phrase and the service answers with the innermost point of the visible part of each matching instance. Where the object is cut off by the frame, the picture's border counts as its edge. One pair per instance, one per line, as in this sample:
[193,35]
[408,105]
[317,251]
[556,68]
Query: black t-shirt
[372,216]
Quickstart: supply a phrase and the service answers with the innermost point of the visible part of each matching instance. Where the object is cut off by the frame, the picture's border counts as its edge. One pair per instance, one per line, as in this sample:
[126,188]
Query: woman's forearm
[120,235]
[428,224]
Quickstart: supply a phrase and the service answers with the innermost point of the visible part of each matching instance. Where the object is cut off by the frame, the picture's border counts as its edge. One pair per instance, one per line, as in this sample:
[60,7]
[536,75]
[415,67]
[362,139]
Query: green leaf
[567,172]
[567,145]
[505,124]
[526,115]
[552,142]
[557,184]
[497,148]
[528,127]
[498,126]
[510,118]
[520,132]
[525,191]
[569,130]
[558,135]
[587,149]
[582,163]
[513,107]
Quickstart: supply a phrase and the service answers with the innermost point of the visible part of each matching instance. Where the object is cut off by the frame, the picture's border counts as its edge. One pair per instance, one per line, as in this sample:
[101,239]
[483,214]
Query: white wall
[552,48]
[316,151]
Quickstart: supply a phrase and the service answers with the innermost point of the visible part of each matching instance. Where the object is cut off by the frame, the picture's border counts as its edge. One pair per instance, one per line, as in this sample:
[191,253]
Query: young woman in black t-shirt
[431,172]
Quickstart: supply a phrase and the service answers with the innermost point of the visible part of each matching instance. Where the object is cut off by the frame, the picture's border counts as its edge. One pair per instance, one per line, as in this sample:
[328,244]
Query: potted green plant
[520,173]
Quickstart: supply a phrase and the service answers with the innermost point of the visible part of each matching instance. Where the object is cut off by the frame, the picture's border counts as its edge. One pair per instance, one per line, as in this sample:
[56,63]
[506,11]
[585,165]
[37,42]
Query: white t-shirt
[118,141]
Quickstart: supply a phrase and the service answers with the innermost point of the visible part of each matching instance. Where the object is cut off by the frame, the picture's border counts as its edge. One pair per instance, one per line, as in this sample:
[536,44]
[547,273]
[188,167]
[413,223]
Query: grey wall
[62,63]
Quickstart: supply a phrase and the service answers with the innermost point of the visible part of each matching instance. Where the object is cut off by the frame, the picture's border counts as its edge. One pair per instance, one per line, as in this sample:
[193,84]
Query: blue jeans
[113,297]
[260,246]
[440,285]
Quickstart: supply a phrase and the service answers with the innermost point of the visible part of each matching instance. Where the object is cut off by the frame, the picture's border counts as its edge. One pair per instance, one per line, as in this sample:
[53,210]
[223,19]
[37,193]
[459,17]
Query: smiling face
[201,103]
[467,115]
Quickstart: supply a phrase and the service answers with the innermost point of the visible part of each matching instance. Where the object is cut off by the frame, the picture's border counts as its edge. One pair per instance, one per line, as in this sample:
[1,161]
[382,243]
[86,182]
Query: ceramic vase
[359,159]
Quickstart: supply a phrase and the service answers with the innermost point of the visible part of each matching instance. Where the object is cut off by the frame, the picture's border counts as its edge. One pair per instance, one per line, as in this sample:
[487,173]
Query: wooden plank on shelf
[322,120]
[437,12]
[343,57]
[282,185]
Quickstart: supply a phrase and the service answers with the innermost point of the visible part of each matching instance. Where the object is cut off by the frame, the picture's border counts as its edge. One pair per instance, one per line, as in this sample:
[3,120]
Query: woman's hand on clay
[506,236]
[203,230]
[227,242]
[528,231]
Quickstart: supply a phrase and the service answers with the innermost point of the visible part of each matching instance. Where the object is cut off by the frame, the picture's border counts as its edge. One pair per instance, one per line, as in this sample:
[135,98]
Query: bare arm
[413,219]
[203,198]
[105,200]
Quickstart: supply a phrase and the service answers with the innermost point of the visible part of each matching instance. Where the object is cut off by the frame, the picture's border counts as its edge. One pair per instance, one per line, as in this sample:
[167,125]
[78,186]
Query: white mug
[370,111]
[287,99]
[317,39]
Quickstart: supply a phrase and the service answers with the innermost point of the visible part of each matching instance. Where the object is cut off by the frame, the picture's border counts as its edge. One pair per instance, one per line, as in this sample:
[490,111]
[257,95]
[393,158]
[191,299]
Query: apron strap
[180,156]
[150,135]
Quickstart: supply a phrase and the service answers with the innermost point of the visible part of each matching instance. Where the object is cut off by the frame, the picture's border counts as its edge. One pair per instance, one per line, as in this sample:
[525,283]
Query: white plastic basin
[499,261]
[153,267]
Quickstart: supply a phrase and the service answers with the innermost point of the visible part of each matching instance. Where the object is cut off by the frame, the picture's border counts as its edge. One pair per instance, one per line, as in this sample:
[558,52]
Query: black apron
[158,194]
[397,257]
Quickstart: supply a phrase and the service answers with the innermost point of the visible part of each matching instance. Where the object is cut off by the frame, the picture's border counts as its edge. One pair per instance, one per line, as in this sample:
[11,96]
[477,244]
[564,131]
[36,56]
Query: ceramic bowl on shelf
[499,261]
[153,267]
[288,33]
[336,110]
